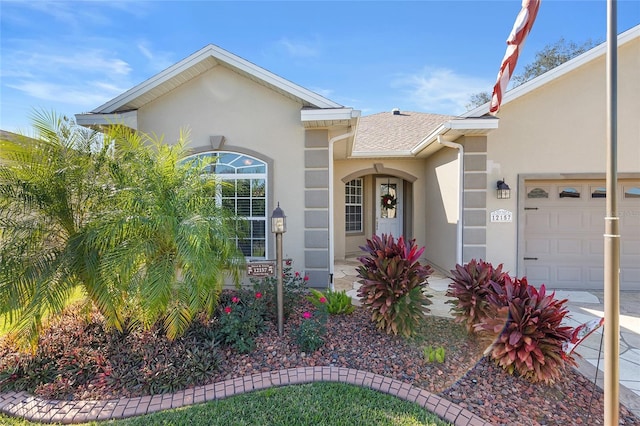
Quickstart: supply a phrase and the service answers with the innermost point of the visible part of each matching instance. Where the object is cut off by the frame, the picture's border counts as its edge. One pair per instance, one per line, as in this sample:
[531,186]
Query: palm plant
[51,187]
[169,241]
[118,215]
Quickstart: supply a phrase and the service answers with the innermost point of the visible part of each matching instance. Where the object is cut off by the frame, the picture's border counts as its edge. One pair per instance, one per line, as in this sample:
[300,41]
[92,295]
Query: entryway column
[474,215]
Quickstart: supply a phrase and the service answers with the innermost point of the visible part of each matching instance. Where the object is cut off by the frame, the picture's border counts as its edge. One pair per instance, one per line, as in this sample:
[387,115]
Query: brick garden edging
[21,404]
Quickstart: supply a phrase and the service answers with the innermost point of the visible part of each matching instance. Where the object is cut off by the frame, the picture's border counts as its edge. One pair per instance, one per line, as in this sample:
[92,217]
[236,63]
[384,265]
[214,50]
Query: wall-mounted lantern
[279,227]
[503,190]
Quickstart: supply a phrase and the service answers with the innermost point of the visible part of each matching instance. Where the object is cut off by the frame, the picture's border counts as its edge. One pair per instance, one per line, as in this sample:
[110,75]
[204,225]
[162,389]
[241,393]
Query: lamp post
[279,227]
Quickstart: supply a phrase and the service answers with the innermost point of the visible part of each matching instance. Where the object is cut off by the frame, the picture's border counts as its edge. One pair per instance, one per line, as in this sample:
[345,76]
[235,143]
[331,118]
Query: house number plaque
[501,215]
[261,269]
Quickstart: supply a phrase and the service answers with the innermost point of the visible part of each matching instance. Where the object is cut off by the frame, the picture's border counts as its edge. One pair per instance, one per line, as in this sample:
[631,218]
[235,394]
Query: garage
[563,244]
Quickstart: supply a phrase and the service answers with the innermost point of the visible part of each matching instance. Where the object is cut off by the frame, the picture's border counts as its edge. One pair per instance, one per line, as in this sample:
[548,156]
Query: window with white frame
[353,205]
[243,193]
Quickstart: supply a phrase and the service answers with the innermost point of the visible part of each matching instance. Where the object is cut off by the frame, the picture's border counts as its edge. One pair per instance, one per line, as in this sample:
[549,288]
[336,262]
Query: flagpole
[612,233]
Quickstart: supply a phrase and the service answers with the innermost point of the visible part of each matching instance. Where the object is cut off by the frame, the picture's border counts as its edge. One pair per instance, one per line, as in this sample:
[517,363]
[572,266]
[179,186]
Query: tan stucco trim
[380,169]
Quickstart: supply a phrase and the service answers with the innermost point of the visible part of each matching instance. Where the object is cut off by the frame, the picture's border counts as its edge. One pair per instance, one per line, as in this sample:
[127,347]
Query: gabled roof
[560,70]
[201,61]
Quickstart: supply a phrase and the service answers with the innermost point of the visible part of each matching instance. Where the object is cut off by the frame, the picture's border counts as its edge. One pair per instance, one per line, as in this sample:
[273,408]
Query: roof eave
[452,130]
[128,119]
[221,56]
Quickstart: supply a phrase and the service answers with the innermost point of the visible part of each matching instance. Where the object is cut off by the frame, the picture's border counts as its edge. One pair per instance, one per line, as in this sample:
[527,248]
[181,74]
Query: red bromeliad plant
[393,281]
[526,330]
[470,286]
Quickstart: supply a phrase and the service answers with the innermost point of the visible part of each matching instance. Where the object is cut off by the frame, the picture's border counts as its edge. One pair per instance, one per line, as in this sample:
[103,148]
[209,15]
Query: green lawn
[310,404]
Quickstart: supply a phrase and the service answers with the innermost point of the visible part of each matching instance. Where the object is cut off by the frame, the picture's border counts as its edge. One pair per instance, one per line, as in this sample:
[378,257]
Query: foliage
[241,317]
[393,281]
[525,330]
[309,336]
[117,214]
[294,288]
[335,302]
[78,357]
[470,286]
[551,56]
[51,187]
[434,354]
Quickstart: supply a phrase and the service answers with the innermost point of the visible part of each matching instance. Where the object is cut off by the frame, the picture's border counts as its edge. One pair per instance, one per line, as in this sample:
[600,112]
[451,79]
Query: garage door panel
[565,234]
[596,276]
[631,275]
[596,247]
[538,246]
[570,221]
[538,274]
[537,221]
[569,274]
[570,246]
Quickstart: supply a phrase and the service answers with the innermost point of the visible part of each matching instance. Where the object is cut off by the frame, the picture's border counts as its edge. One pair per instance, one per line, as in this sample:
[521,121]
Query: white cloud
[440,90]
[86,77]
[299,49]
[158,61]
[85,96]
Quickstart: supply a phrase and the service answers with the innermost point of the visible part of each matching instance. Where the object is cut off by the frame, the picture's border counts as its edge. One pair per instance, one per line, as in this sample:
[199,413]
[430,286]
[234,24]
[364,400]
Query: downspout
[331,236]
[459,226]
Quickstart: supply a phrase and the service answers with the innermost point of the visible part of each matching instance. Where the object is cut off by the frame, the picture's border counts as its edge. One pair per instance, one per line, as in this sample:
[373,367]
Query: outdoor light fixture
[504,192]
[278,221]
[279,227]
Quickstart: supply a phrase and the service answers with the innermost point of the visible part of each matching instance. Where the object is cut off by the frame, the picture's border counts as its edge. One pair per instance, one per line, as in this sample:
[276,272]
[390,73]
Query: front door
[389,206]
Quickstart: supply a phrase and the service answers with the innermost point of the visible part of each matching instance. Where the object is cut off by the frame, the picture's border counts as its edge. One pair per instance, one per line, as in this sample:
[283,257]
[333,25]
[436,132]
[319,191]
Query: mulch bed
[465,377]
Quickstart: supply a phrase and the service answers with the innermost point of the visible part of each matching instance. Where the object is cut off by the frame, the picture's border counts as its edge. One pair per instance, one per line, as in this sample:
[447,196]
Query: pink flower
[323,300]
[306,315]
[235,299]
[297,274]
[258,295]
[288,262]
[306,277]
[227,309]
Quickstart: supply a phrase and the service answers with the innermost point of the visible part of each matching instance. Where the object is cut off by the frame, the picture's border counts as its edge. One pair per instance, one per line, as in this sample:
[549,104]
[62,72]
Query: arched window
[244,194]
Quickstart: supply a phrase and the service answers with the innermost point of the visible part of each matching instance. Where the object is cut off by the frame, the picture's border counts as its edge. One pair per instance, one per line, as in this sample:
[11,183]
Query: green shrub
[433,354]
[294,288]
[525,330]
[335,302]
[241,316]
[393,282]
[309,336]
[470,286]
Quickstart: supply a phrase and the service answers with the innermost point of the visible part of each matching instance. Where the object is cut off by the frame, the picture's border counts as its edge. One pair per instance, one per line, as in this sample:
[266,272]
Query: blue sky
[429,56]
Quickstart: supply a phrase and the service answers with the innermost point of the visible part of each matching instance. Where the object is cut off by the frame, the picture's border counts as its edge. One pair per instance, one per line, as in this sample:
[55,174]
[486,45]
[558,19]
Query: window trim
[359,184]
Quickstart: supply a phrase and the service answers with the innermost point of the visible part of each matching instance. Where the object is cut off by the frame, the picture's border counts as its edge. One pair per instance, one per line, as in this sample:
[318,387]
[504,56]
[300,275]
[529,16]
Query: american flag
[515,43]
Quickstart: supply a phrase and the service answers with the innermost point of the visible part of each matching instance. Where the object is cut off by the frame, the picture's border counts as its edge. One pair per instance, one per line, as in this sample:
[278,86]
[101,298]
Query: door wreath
[388,201]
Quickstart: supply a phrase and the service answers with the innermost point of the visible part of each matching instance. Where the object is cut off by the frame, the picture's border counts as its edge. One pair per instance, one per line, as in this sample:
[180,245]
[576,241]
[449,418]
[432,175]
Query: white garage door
[563,233]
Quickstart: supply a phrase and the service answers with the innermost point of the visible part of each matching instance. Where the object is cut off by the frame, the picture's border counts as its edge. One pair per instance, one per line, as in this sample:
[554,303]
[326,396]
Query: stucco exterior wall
[440,211]
[557,129]
[250,117]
